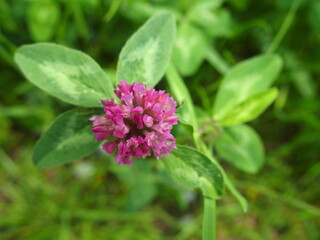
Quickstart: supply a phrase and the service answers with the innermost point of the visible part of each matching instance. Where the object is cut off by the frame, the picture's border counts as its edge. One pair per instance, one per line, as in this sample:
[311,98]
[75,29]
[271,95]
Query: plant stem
[217,61]
[182,94]
[242,201]
[79,18]
[115,5]
[284,27]
[209,211]
[209,219]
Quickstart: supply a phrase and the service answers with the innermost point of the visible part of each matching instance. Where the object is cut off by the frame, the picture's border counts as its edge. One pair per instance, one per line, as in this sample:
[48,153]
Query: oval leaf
[188,167]
[250,108]
[244,80]
[68,139]
[241,146]
[181,172]
[146,55]
[67,74]
[189,49]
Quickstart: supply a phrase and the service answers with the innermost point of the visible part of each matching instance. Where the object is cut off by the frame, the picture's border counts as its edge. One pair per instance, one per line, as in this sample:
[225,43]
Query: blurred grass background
[95,199]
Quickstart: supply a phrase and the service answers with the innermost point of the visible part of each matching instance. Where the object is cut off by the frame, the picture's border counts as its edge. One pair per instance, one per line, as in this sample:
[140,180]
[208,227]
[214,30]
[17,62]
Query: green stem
[79,18]
[7,57]
[284,27]
[7,50]
[182,94]
[112,10]
[229,185]
[209,219]
[217,61]
[242,201]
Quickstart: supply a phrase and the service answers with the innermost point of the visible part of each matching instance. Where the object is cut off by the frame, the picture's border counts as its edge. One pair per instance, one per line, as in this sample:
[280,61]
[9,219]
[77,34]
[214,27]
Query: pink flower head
[139,126]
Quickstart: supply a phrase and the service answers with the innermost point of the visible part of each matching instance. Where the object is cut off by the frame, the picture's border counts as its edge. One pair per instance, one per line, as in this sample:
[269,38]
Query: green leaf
[43,17]
[244,80]
[181,172]
[68,139]
[214,20]
[250,108]
[67,74]
[181,113]
[146,55]
[189,49]
[189,167]
[242,147]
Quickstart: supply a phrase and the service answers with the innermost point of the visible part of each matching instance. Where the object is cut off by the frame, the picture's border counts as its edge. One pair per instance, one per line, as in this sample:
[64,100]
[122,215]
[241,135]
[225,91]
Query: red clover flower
[139,126]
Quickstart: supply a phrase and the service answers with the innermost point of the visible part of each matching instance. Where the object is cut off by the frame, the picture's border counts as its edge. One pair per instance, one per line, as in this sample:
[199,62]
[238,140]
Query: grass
[88,199]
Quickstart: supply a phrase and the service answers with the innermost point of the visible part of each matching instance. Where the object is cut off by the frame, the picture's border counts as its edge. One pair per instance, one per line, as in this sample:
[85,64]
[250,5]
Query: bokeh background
[93,198]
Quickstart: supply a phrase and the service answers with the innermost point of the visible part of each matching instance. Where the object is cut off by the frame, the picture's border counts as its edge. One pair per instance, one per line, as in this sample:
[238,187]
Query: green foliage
[43,17]
[182,95]
[68,139]
[214,20]
[94,198]
[189,166]
[67,74]
[244,80]
[189,49]
[146,54]
[250,108]
[242,147]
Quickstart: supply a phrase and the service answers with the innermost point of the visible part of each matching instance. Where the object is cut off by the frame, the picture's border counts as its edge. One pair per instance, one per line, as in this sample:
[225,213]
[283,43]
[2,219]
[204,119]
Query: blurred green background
[95,199]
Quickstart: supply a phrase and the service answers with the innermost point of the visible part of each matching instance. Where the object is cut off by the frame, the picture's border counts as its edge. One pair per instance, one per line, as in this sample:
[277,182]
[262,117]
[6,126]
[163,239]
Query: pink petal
[147,120]
[109,146]
[120,131]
